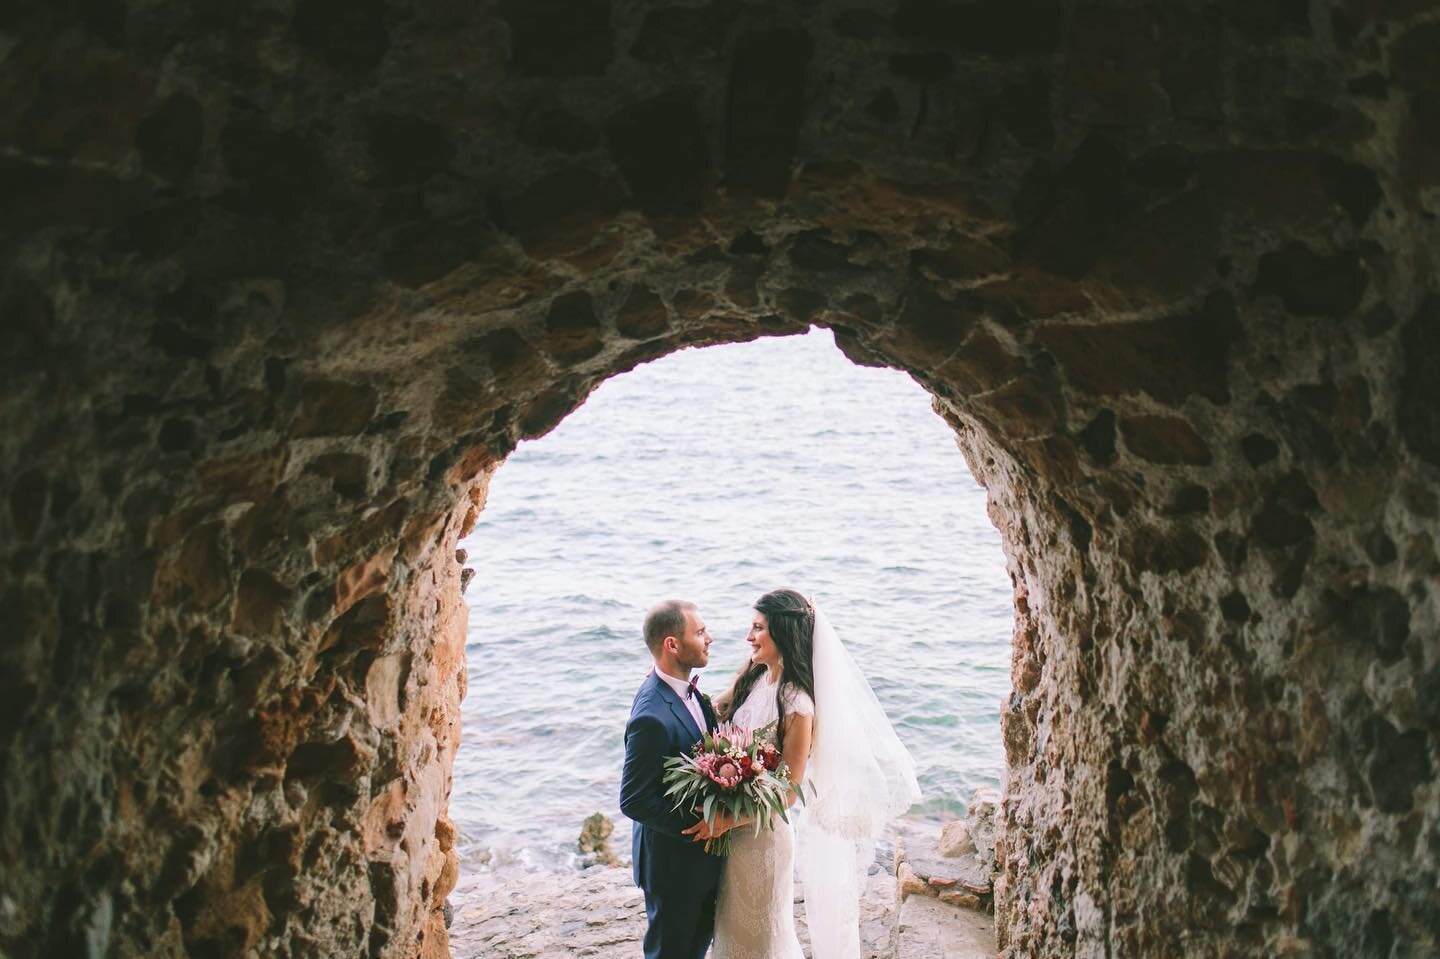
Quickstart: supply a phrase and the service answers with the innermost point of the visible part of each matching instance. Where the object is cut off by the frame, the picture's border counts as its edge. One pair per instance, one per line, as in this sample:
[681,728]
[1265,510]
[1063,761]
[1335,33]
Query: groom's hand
[703,831]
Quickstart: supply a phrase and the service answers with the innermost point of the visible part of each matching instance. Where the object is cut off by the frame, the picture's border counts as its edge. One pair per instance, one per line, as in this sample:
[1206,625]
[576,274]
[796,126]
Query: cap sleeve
[798,702]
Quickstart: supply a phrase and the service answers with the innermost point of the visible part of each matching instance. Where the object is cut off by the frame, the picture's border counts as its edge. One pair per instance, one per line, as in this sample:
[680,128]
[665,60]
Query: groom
[668,717]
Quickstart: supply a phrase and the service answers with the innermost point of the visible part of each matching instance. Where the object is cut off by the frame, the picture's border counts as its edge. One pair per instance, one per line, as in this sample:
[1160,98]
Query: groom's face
[693,649]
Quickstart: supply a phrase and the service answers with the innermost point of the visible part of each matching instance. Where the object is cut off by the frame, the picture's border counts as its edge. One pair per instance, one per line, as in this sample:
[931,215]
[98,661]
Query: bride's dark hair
[791,620]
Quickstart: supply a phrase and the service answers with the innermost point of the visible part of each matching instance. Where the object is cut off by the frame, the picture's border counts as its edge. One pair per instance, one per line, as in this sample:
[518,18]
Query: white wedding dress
[859,777]
[755,911]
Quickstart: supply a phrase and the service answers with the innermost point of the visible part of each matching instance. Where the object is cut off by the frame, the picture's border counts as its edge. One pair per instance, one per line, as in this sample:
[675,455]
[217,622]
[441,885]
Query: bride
[833,734]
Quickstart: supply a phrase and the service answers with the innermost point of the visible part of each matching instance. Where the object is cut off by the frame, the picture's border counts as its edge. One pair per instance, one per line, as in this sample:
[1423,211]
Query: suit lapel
[676,706]
[709,713]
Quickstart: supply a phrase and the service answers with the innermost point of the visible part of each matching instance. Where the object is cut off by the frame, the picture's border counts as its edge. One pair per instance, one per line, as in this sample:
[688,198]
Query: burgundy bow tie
[694,688]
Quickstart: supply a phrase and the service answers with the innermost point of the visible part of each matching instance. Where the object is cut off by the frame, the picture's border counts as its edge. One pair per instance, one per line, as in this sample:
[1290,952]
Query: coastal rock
[967,873]
[962,899]
[595,840]
[908,882]
[955,839]
[955,870]
[936,876]
[981,818]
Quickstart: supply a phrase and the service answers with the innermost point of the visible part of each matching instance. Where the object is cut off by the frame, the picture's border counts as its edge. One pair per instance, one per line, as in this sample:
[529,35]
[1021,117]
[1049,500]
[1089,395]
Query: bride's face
[762,646]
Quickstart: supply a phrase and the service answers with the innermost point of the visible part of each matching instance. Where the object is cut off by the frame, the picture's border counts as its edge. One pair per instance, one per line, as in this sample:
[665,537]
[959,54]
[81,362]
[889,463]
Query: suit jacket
[660,727]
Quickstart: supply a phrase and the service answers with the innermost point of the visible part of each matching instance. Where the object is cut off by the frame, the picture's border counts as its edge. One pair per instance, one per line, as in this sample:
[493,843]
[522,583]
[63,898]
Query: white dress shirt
[681,688]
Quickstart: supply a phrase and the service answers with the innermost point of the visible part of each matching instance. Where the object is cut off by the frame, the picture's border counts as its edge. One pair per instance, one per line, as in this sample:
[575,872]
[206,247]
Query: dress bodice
[759,705]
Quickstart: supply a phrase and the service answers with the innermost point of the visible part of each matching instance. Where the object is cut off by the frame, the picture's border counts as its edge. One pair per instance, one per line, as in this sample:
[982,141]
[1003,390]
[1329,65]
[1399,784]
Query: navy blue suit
[679,878]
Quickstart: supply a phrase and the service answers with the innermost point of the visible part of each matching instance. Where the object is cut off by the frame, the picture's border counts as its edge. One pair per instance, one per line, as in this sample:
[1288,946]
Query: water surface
[715,475]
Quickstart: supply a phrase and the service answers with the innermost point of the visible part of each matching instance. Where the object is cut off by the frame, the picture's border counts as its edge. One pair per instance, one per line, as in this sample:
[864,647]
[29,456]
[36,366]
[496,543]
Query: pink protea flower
[719,771]
[737,736]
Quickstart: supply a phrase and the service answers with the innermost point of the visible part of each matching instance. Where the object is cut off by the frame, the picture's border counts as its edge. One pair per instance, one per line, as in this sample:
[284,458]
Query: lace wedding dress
[755,912]
[859,776]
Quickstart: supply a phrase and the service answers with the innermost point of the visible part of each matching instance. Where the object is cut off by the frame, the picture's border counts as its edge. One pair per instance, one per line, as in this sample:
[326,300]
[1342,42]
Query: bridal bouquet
[734,771]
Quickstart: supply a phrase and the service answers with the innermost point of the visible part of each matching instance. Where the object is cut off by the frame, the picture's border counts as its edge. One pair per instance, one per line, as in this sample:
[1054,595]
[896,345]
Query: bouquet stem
[720,845]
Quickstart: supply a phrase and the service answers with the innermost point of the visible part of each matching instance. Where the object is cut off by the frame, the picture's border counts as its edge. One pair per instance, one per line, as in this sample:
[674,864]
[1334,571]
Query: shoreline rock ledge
[945,893]
[937,906]
[598,913]
[959,870]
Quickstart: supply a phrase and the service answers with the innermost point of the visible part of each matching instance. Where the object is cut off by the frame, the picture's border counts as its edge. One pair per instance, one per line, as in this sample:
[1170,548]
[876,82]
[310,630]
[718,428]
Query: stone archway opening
[715,475]
[282,287]
[823,408]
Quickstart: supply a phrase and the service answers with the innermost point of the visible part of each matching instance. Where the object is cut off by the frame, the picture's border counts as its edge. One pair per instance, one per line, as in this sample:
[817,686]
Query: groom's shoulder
[646,692]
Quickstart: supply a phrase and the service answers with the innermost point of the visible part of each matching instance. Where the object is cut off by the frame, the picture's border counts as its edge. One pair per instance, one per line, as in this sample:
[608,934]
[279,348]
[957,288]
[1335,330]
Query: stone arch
[281,288]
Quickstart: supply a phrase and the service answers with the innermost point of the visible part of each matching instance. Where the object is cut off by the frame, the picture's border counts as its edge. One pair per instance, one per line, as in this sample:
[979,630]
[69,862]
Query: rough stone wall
[282,283]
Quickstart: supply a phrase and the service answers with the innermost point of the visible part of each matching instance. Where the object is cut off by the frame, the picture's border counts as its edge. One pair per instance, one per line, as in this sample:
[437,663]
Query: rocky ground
[597,912]
[600,914]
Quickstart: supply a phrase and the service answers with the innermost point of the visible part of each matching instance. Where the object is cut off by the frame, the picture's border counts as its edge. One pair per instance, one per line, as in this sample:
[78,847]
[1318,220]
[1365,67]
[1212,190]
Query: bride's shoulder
[797,701]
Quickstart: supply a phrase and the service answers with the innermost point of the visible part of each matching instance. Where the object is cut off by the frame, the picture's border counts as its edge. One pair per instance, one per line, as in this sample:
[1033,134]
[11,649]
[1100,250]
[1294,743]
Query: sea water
[715,475]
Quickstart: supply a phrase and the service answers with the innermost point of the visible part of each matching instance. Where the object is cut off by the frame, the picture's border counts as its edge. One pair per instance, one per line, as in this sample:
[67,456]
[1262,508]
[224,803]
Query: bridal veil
[859,777]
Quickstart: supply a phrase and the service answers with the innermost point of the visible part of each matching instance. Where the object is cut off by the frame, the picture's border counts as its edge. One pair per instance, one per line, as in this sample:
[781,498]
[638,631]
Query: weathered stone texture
[281,286]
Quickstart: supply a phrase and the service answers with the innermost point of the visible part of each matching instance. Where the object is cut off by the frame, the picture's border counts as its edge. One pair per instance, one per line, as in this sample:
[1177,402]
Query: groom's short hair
[665,619]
